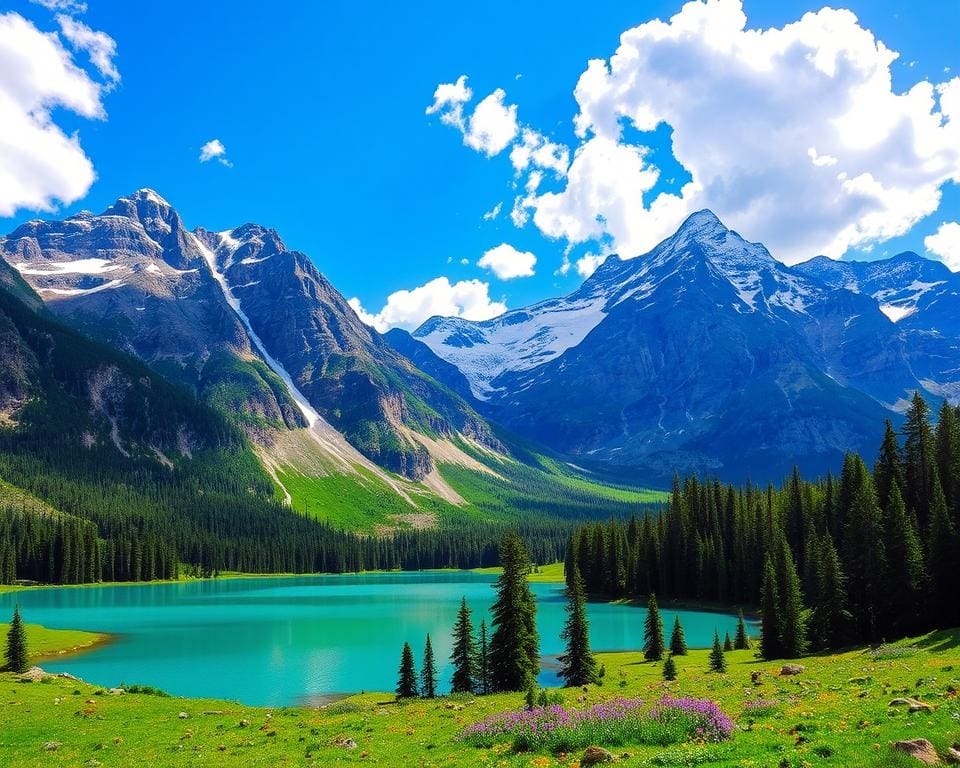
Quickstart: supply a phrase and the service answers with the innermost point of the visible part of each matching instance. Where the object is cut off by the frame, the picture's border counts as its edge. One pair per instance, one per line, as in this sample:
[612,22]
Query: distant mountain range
[706,354]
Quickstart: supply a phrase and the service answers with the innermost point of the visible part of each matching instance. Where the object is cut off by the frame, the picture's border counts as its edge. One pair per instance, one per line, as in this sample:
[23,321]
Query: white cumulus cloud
[492,126]
[793,135]
[99,46]
[507,263]
[408,309]
[40,164]
[448,101]
[70,6]
[945,244]
[215,150]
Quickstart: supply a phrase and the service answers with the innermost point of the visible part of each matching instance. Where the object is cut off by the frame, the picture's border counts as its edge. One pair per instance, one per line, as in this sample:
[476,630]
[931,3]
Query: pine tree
[793,628]
[741,642]
[948,455]
[18,660]
[727,643]
[428,675]
[670,668]
[770,646]
[678,643]
[577,665]
[906,570]
[718,662]
[943,549]
[464,654]
[483,661]
[514,646]
[888,470]
[653,644]
[918,449]
[831,620]
[407,681]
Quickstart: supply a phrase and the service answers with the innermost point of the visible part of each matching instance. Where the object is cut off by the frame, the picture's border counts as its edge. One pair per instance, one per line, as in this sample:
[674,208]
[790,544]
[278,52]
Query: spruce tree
[888,469]
[407,680]
[906,570]
[653,643]
[943,549]
[577,665]
[514,646]
[741,642]
[428,674]
[918,450]
[718,662]
[464,654]
[793,627]
[830,620]
[948,456]
[727,643]
[678,643]
[18,660]
[770,646]
[670,668]
[483,661]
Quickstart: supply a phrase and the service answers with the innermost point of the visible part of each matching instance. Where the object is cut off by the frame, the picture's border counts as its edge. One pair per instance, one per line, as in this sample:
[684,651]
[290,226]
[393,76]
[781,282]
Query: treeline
[867,556]
[144,539]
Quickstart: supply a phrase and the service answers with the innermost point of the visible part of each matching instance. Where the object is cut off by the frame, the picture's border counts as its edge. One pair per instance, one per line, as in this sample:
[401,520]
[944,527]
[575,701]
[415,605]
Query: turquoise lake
[299,639]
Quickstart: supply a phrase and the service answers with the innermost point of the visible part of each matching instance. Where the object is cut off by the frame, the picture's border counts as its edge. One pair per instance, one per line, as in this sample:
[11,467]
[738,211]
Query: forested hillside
[861,557]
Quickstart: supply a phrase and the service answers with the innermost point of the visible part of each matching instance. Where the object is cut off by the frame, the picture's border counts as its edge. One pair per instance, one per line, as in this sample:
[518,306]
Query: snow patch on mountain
[309,413]
[77,267]
[81,291]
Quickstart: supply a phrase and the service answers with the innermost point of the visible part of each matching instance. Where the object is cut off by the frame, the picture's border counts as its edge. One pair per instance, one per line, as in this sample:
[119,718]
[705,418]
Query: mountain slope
[705,354]
[252,327]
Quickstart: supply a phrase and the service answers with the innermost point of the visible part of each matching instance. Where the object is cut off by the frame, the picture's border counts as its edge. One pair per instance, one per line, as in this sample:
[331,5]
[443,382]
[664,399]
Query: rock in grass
[32,675]
[791,669]
[183,715]
[953,755]
[595,756]
[52,746]
[919,749]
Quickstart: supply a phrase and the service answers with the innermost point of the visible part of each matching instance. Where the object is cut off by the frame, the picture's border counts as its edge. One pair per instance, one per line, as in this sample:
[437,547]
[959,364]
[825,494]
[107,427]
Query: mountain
[921,296]
[705,354]
[252,327]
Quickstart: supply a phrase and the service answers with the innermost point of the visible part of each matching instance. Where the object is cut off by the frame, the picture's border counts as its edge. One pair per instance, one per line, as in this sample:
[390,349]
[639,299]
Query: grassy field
[835,713]
[551,573]
[44,643]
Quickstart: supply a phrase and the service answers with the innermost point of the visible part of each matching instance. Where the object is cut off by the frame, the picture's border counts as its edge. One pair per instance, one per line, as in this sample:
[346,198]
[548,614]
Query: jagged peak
[702,221]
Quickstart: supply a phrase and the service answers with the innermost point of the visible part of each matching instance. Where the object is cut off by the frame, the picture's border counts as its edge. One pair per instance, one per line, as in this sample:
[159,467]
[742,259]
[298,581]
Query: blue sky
[321,110]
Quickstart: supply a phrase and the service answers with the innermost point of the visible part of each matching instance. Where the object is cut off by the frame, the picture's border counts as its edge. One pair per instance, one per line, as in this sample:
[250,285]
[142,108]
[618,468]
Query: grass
[45,643]
[552,573]
[834,714]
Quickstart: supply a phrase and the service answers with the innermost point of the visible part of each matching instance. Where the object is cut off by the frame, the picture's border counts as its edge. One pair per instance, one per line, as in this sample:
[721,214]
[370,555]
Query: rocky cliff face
[251,326]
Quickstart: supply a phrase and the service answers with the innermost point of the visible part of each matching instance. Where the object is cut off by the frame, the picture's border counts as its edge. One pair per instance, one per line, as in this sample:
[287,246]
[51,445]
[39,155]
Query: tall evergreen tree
[428,674]
[727,643]
[948,456]
[718,662]
[577,664]
[18,660]
[793,628]
[906,570]
[464,654]
[678,643]
[918,450]
[770,645]
[831,620]
[741,641]
[515,645]
[653,643]
[407,680]
[484,685]
[888,470]
[943,550]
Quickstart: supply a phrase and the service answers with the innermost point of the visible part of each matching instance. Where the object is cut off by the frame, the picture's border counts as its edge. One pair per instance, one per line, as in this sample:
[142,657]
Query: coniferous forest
[867,555]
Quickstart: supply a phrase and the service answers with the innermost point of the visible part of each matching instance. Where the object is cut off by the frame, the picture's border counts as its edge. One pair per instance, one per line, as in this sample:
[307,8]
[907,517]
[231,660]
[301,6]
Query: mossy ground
[835,713]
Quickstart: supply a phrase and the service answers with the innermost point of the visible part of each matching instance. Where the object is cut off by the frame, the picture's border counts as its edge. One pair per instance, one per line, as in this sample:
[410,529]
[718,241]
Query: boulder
[953,755]
[919,749]
[32,675]
[52,746]
[791,669]
[595,756]
[183,715]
